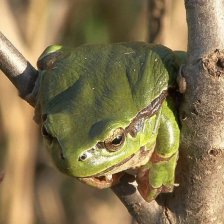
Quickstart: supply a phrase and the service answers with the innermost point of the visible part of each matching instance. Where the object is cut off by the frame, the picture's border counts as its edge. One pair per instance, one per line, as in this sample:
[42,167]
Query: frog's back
[132,72]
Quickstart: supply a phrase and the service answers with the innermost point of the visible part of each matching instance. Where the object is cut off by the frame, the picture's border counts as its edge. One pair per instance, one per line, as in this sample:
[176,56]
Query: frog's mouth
[112,175]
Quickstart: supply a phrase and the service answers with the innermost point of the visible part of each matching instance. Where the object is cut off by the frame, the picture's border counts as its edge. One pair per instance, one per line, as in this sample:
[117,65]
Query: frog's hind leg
[158,175]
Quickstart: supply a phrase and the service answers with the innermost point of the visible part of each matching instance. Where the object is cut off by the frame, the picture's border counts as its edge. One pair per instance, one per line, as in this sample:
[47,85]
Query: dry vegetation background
[33,191]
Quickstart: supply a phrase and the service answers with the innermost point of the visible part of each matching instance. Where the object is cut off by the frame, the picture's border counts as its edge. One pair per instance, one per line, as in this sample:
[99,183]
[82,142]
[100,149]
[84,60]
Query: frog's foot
[157,176]
[152,193]
[147,191]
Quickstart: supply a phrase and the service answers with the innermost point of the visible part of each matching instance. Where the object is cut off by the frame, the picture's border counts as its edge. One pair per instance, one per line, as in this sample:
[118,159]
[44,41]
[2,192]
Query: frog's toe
[147,191]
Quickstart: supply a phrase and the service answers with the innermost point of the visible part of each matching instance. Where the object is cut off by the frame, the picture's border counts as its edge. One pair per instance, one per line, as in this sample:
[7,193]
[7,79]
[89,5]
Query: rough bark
[142,211]
[199,199]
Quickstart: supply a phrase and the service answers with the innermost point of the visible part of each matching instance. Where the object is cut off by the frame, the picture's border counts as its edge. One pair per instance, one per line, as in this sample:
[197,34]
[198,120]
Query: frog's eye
[47,135]
[114,142]
[48,57]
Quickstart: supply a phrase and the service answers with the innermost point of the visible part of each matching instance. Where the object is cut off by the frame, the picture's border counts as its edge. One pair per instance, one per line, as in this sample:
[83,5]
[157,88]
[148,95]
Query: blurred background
[33,191]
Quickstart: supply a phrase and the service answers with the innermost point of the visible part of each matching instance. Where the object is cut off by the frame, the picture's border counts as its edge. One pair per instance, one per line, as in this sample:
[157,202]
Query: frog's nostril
[86,155]
[83,157]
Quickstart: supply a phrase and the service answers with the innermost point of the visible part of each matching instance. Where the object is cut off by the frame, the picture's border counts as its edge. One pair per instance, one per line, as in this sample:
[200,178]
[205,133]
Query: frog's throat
[135,125]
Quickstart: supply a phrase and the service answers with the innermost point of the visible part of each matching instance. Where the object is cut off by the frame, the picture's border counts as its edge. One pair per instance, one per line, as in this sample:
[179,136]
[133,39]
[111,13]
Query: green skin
[91,105]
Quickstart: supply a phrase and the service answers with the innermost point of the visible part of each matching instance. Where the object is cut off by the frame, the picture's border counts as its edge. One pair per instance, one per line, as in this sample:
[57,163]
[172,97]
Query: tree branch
[205,26]
[18,70]
[200,171]
[142,211]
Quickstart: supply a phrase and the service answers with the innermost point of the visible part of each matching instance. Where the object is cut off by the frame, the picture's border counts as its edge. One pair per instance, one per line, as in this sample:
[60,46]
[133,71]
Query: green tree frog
[106,109]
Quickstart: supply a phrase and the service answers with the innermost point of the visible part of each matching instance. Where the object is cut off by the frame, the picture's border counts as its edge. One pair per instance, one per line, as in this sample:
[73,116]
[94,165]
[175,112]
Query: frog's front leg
[159,173]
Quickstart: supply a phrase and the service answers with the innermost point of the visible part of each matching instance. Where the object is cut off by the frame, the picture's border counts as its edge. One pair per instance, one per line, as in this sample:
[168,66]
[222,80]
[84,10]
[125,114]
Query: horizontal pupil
[117,140]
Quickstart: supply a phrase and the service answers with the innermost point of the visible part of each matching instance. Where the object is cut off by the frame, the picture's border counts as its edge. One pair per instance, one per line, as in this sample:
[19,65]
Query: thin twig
[18,70]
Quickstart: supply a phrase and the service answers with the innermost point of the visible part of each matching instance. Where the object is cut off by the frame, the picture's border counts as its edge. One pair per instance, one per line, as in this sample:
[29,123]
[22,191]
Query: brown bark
[199,199]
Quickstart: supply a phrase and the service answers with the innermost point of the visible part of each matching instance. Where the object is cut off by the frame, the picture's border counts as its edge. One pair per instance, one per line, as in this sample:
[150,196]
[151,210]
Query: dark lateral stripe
[137,123]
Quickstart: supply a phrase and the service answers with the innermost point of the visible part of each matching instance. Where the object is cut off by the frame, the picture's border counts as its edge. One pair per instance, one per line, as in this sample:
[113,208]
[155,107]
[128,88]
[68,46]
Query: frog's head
[93,102]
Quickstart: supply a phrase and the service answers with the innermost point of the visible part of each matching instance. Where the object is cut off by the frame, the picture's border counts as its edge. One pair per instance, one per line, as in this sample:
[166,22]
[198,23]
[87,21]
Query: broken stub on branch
[214,63]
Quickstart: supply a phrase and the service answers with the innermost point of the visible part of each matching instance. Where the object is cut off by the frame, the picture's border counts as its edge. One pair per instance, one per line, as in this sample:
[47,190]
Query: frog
[108,109]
